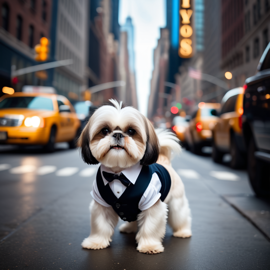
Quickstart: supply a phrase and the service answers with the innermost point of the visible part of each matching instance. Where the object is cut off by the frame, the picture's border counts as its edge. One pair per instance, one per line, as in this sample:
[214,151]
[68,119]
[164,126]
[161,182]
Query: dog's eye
[105,131]
[131,131]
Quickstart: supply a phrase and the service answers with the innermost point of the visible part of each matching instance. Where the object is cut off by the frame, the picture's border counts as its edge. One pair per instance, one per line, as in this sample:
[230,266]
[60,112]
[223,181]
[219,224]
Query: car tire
[237,159]
[196,149]
[50,146]
[217,155]
[258,172]
[73,143]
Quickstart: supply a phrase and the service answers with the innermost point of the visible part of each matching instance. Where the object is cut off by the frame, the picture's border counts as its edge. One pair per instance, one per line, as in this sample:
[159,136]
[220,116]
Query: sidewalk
[222,239]
[256,210]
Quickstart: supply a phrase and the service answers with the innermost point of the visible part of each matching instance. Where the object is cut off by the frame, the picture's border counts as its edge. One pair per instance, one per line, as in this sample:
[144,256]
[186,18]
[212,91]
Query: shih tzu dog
[135,180]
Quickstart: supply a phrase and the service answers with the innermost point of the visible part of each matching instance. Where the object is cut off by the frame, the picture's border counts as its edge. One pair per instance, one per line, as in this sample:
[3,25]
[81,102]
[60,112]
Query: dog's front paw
[128,227]
[95,242]
[150,248]
[186,233]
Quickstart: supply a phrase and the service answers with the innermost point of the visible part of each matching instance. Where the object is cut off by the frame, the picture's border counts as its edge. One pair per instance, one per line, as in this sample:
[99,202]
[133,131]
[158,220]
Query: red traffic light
[174,110]
[14,80]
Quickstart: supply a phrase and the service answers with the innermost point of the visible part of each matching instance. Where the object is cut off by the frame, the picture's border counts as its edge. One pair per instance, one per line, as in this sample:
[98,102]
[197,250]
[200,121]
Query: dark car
[84,110]
[256,126]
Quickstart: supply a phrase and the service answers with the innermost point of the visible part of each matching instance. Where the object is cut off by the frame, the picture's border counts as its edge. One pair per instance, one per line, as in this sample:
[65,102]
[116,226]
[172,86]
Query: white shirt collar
[131,173]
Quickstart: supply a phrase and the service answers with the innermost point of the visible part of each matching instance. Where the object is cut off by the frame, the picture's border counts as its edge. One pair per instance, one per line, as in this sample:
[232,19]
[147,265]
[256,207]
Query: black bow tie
[111,176]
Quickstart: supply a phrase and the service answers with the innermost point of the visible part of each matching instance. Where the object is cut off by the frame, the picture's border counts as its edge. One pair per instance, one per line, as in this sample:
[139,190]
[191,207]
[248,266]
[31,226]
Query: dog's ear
[152,145]
[84,144]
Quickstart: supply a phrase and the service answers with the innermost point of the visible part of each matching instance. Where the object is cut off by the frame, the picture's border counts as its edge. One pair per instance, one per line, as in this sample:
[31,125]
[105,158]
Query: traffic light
[174,110]
[42,50]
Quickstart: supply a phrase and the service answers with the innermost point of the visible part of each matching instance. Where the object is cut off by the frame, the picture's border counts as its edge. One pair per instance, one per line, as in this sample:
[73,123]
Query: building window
[265,38]
[267,5]
[258,9]
[247,54]
[5,16]
[31,36]
[246,24]
[256,48]
[44,13]
[19,27]
[254,14]
[249,20]
[33,5]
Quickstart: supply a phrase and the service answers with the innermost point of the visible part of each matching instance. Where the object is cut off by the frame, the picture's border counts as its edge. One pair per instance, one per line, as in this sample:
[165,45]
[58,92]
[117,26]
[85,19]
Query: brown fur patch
[84,144]
[152,144]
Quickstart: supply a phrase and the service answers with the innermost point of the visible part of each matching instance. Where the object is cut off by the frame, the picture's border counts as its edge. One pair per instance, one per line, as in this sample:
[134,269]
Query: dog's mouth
[117,147]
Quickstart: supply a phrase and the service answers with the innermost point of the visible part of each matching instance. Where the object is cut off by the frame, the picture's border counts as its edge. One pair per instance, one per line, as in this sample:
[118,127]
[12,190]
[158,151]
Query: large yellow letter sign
[185,31]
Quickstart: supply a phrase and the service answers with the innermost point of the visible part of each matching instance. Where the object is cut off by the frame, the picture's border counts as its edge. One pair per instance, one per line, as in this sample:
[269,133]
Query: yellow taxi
[179,125]
[199,134]
[38,119]
[227,133]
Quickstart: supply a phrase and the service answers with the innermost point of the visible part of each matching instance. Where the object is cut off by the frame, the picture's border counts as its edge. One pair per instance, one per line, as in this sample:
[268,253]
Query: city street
[44,217]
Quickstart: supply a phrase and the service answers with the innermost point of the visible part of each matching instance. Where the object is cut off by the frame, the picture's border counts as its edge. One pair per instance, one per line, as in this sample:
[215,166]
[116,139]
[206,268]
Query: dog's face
[118,138]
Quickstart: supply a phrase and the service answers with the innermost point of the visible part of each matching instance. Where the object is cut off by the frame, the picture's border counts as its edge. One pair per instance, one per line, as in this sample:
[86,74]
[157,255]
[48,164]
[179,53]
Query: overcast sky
[147,16]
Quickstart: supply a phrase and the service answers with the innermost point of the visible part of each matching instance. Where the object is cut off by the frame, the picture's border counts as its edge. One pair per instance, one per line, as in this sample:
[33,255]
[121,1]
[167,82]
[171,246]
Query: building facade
[245,34]
[22,25]
[69,41]
[127,72]
[103,48]
[158,103]
[212,51]
[177,86]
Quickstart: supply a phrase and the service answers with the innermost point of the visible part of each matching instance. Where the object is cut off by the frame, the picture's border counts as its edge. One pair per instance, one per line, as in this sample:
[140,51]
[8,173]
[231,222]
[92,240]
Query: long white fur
[168,141]
[151,223]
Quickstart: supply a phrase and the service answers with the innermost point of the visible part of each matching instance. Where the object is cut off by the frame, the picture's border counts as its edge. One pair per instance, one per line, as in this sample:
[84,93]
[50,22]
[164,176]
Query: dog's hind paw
[95,243]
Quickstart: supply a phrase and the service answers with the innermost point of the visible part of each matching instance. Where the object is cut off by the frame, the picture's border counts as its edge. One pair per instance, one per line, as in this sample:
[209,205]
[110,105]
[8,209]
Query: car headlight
[181,129]
[34,121]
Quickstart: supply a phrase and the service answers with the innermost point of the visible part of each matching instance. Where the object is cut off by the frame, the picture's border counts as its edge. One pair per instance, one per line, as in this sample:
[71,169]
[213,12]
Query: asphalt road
[44,217]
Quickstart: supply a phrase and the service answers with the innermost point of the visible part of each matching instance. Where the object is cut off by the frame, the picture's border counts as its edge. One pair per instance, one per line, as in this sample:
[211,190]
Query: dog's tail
[169,144]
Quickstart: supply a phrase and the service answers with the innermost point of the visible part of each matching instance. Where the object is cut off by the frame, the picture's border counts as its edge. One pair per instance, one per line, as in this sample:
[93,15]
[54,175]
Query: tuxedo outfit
[146,185]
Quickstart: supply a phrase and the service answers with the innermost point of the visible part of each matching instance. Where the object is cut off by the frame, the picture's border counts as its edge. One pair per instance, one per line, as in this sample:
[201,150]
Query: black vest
[126,206]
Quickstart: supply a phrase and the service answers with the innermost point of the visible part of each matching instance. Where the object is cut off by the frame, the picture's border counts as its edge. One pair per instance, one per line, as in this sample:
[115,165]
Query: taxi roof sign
[38,89]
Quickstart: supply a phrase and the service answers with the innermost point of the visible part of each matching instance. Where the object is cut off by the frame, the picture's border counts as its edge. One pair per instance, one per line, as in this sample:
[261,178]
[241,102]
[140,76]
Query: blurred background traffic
[209,80]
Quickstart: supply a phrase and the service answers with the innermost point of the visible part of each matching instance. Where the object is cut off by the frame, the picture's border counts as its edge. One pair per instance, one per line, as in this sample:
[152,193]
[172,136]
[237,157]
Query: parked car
[179,125]
[38,119]
[227,132]
[198,134]
[84,110]
[256,126]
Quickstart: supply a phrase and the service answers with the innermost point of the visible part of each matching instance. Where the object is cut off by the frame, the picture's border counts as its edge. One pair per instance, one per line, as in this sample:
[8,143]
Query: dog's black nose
[118,136]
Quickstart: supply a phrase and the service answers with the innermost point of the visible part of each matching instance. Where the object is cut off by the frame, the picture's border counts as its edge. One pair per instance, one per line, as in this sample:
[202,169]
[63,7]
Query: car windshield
[207,112]
[33,103]
[181,121]
[81,108]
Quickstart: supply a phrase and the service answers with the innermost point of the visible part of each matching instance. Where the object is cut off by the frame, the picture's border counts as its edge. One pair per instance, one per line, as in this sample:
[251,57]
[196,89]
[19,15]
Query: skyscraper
[103,48]
[129,28]
[68,41]
[127,64]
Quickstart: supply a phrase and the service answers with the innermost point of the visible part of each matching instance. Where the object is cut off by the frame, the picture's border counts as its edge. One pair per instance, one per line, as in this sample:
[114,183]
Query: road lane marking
[224,176]
[88,172]
[23,169]
[68,171]
[46,170]
[191,174]
[4,167]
